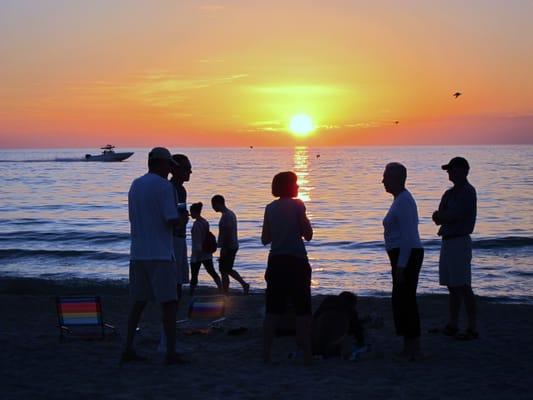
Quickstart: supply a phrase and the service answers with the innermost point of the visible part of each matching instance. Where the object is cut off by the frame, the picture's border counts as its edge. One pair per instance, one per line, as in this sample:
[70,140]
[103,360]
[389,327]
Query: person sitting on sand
[288,274]
[335,325]
[228,243]
[199,231]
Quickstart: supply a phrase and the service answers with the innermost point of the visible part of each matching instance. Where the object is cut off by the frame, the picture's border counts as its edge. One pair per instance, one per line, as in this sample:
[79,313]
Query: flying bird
[396,122]
[457,94]
[318,156]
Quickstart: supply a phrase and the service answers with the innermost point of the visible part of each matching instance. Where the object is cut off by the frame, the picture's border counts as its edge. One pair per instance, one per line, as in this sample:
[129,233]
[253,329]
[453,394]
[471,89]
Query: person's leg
[195,270]
[229,262]
[269,329]
[235,275]
[456,299]
[412,316]
[168,314]
[133,321]
[208,264]
[398,300]
[471,310]
[179,291]
[225,282]
[222,260]
[303,336]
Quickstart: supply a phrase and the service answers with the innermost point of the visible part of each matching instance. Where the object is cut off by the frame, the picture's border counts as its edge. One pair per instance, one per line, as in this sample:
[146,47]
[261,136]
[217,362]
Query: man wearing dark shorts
[228,243]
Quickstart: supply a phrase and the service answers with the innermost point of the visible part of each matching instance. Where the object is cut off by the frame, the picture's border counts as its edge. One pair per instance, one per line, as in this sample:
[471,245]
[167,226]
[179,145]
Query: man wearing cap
[153,214]
[457,216]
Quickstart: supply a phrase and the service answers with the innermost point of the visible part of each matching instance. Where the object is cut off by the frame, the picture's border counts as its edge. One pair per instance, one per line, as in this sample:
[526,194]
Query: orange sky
[233,73]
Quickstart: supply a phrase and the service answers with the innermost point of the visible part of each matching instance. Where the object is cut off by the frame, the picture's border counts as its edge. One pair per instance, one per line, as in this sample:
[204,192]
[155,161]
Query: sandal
[467,335]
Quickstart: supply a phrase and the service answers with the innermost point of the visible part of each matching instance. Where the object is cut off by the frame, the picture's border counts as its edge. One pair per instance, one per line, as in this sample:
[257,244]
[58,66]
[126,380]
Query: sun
[301,125]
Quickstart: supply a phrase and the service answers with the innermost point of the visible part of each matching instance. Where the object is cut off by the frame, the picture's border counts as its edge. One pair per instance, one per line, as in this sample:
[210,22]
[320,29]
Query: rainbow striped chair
[81,316]
[205,313]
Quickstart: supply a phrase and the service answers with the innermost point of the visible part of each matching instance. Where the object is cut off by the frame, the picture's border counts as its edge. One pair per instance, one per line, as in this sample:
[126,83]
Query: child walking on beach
[288,274]
[199,256]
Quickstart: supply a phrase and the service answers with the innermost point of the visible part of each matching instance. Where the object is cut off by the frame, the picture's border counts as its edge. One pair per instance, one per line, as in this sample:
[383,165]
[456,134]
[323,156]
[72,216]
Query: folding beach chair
[81,316]
[205,313]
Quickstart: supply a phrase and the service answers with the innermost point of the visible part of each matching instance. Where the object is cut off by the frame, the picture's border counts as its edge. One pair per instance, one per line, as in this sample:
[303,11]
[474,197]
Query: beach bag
[210,243]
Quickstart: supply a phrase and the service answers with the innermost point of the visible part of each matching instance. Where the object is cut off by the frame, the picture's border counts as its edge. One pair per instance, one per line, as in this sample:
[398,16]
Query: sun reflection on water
[301,169]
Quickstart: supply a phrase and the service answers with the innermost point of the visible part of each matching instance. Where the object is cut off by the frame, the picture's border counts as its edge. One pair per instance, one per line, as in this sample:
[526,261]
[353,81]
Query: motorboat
[108,155]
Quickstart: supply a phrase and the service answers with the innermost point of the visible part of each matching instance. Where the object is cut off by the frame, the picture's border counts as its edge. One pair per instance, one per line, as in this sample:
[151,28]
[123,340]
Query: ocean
[68,219]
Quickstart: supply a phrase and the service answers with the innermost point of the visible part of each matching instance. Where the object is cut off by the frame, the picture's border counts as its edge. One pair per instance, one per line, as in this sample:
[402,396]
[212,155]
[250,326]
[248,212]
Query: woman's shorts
[288,279]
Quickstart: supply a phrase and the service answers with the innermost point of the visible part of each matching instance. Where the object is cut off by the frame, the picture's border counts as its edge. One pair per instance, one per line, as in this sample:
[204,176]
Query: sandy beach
[35,364]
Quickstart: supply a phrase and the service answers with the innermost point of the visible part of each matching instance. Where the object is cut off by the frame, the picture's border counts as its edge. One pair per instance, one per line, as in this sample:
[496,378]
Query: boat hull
[109,157]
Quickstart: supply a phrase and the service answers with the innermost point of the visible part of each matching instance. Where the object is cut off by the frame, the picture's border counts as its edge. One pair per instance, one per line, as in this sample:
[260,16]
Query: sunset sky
[234,73]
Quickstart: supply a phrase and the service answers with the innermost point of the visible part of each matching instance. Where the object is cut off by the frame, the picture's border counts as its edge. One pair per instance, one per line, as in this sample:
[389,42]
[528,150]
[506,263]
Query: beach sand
[35,364]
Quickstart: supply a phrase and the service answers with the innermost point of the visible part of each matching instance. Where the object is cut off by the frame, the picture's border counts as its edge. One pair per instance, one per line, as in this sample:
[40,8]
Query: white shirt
[198,232]
[283,217]
[401,227]
[228,223]
[151,205]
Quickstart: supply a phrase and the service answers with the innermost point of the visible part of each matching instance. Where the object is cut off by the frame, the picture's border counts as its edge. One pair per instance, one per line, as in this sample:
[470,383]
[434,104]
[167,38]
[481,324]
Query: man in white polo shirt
[153,214]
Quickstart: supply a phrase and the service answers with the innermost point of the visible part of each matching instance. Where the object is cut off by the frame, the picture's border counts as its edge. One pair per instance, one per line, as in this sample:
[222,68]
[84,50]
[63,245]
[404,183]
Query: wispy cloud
[158,89]
[300,90]
[210,61]
[211,8]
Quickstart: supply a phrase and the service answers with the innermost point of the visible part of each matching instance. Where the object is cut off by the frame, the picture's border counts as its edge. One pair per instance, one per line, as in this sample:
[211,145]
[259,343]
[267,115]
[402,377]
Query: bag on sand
[210,243]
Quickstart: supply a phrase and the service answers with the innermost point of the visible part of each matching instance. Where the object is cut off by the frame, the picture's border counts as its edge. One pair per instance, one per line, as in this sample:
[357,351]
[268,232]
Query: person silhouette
[199,256]
[228,243]
[288,274]
[456,217]
[406,255]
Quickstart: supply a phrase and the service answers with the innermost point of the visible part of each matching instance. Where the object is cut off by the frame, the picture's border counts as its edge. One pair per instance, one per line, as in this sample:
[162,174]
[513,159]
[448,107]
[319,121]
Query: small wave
[477,243]
[504,242]
[86,254]
[65,237]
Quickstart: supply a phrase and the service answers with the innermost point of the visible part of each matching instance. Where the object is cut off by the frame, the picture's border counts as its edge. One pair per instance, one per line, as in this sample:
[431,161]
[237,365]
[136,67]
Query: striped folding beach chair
[205,313]
[81,316]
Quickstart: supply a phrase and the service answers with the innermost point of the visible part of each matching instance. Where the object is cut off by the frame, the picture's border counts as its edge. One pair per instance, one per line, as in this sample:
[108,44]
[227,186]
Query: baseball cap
[456,162]
[161,153]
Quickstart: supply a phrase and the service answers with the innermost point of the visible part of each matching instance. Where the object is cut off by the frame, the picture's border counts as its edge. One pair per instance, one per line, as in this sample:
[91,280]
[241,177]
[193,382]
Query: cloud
[211,8]
[158,89]
[300,90]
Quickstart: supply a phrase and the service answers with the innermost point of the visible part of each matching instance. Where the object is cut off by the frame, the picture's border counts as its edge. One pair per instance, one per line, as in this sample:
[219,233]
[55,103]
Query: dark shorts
[288,278]
[227,260]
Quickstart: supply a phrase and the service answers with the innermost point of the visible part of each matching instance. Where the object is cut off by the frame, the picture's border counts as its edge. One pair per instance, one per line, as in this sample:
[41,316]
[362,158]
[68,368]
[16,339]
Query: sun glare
[301,125]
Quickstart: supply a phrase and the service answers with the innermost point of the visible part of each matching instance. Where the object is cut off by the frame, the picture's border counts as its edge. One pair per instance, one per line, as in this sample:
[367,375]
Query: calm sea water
[64,219]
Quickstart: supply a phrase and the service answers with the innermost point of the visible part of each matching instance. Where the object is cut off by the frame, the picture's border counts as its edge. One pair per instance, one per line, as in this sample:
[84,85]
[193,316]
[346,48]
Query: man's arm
[266,235]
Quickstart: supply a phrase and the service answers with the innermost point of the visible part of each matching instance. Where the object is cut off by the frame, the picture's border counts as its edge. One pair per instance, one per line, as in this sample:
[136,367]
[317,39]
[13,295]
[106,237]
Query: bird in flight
[457,94]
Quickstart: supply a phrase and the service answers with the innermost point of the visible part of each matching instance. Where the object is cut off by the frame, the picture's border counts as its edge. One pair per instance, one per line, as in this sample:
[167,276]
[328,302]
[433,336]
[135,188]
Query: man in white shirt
[153,214]
[228,244]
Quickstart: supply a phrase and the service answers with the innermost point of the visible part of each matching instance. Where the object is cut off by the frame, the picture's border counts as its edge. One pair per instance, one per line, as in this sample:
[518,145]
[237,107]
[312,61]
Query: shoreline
[10,284]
